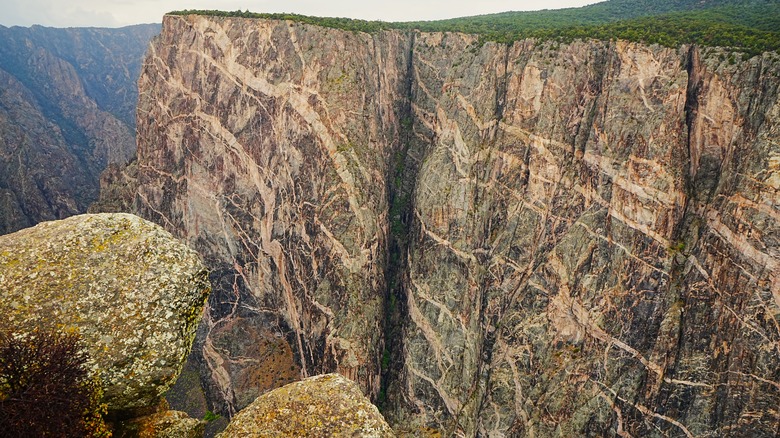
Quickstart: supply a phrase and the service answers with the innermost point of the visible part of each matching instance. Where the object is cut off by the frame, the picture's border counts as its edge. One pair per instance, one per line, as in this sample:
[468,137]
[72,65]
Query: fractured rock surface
[577,239]
[325,405]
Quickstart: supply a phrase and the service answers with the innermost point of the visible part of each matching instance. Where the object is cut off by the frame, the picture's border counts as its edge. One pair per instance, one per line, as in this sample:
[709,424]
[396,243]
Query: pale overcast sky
[114,13]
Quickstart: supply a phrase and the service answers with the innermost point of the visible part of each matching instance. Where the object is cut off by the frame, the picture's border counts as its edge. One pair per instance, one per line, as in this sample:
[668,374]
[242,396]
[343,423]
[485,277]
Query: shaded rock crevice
[403,173]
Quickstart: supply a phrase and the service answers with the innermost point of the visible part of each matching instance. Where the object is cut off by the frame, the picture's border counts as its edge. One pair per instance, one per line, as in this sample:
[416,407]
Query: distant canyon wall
[525,240]
[67,110]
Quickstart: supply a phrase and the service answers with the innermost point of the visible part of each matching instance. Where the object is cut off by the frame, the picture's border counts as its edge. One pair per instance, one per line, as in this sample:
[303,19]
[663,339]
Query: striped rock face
[271,160]
[524,240]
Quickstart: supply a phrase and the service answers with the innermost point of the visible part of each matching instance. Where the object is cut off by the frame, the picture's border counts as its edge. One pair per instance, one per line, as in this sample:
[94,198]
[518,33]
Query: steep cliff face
[67,99]
[265,144]
[575,239]
[594,248]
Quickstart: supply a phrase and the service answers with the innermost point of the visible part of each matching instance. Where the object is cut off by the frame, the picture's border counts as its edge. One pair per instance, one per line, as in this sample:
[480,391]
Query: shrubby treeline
[750,26]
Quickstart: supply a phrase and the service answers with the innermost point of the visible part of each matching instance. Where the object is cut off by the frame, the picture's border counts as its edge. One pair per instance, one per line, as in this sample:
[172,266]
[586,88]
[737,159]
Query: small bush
[677,247]
[210,416]
[46,389]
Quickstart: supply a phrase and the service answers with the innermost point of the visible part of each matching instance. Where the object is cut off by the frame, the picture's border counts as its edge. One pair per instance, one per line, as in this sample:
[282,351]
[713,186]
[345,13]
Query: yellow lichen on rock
[163,424]
[326,405]
[126,285]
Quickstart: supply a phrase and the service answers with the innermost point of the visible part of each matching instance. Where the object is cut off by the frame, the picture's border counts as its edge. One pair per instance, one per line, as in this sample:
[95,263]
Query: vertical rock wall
[583,238]
[265,144]
[594,248]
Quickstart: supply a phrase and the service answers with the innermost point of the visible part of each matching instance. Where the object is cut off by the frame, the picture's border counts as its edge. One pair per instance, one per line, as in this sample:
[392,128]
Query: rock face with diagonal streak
[580,261]
[271,160]
[530,239]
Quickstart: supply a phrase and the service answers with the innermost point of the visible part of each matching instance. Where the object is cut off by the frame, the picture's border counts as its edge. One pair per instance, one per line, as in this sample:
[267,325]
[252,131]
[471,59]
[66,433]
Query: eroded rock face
[132,291]
[326,405]
[577,239]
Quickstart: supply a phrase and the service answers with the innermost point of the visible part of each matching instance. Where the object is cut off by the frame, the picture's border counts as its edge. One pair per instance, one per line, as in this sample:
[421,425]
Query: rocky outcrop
[326,405]
[164,424]
[575,239]
[67,96]
[132,291]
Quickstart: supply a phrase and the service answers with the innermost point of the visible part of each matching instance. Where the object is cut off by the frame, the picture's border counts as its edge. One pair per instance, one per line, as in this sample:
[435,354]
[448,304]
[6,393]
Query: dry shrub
[46,389]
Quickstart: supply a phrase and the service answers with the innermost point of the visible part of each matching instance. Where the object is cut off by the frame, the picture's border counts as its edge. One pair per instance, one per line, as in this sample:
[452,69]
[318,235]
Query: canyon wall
[265,145]
[493,240]
[67,110]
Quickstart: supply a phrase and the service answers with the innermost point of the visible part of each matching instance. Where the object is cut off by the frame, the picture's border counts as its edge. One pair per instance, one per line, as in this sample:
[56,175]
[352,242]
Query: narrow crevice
[691,112]
[685,232]
[705,166]
[602,66]
[401,177]
[501,86]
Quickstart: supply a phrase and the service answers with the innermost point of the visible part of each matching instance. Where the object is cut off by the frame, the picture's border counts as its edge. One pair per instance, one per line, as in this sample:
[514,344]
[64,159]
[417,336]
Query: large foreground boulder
[326,405]
[133,292]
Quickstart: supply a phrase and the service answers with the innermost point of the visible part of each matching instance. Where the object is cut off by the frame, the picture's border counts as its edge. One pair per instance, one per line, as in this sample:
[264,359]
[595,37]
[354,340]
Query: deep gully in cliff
[704,167]
[693,68]
[402,174]
[685,233]
[691,109]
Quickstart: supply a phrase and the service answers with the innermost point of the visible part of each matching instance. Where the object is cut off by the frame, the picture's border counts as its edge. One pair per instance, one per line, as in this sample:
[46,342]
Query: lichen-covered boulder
[326,405]
[133,292]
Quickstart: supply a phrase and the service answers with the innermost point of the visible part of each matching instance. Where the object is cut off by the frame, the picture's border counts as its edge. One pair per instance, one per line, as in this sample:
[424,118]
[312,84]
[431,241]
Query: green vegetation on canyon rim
[751,26]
